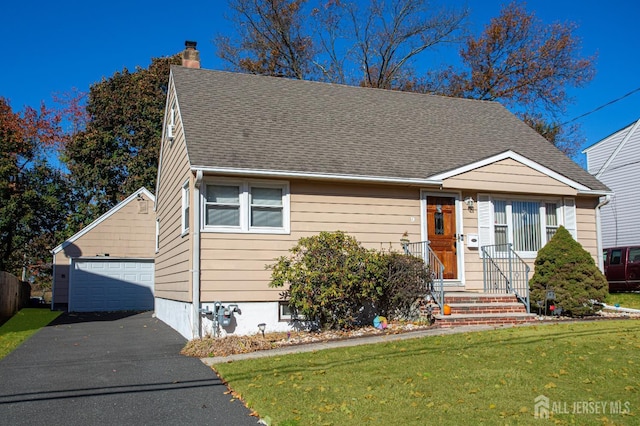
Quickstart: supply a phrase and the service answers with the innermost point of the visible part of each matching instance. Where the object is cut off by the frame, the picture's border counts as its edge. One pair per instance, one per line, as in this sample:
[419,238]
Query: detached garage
[108,266]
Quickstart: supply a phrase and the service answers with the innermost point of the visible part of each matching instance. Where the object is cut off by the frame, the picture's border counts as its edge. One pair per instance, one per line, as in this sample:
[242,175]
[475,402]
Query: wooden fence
[14,294]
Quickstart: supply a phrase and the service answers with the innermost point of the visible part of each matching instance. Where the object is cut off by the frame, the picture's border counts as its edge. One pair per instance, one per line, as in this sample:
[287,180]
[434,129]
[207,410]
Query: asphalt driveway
[113,369]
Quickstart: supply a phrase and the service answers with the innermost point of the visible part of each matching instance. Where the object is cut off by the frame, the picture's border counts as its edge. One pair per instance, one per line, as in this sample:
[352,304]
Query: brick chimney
[190,56]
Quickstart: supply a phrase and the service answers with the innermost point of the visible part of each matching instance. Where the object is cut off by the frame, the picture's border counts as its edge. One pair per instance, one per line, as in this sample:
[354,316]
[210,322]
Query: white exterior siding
[599,153]
[616,162]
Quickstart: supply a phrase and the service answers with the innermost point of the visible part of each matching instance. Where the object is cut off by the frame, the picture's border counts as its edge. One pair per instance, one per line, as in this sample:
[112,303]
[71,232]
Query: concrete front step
[454,320]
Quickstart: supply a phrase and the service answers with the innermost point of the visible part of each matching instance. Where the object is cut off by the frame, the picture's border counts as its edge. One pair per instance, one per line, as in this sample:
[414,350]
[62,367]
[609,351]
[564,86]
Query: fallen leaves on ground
[231,344]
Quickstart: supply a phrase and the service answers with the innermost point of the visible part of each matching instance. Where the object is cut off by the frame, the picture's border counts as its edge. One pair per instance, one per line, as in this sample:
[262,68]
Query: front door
[441,231]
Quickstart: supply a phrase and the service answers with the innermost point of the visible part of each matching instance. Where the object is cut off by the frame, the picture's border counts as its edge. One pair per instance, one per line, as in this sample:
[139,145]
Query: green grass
[22,325]
[626,300]
[475,378]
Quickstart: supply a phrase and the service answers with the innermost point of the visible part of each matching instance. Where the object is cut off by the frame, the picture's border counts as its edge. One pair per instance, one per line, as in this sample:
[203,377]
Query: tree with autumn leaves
[34,195]
[516,60]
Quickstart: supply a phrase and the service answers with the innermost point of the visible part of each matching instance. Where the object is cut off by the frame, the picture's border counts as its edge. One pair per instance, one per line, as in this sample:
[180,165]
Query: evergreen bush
[563,266]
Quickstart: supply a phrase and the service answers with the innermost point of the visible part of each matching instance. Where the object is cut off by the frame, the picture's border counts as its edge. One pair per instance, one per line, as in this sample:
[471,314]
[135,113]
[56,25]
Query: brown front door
[441,231]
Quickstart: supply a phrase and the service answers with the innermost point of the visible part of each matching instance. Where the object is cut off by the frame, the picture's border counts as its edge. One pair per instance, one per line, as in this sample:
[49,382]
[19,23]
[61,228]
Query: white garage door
[111,285]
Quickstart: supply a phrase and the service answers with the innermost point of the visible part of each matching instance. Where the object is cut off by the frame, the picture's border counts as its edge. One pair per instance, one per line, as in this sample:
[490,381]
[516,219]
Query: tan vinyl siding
[233,265]
[173,260]
[472,260]
[61,278]
[586,225]
[128,233]
[508,176]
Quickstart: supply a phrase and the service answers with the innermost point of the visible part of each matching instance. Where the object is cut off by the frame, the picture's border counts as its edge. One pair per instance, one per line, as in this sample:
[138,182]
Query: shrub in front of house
[330,278]
[566,268]
[405,286]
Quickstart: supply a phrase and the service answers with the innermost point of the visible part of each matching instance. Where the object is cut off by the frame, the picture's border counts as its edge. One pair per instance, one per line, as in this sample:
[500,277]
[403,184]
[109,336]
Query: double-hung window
[527,224]
[266,207]
[246,206]
[222,206]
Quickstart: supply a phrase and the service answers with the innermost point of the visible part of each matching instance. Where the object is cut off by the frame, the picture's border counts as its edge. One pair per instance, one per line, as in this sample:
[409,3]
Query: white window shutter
[485,228]
[570,222]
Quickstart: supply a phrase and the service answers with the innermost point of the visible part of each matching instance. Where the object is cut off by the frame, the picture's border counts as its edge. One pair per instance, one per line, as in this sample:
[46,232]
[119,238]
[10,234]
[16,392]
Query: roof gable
[520,159]
[241,122]
[620,142]
[103,218]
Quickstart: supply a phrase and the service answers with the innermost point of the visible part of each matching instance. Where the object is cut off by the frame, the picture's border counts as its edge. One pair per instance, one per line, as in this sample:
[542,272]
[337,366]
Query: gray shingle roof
[244,121]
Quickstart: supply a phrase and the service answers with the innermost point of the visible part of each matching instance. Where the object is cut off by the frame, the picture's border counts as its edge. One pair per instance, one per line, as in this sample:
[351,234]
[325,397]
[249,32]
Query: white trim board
[306,175]
[514,156]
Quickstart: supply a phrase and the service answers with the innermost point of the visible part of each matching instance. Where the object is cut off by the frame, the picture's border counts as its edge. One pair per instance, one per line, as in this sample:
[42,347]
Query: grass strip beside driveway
[488,378]
[626,300]
[21,326]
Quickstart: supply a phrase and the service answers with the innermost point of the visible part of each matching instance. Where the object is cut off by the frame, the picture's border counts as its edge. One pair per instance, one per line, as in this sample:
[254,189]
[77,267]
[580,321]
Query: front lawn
[22,325]
[589,371]
[626,300]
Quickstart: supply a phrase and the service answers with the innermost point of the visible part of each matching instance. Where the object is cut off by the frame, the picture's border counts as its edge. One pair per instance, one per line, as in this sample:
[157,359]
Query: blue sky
[53,47]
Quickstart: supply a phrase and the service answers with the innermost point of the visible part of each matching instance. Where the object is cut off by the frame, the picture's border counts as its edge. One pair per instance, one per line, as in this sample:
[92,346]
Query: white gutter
[602,203]
[319,176]
[195,279]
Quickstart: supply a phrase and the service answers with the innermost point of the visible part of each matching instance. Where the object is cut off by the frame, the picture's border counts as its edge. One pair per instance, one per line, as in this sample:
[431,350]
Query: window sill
[274,231]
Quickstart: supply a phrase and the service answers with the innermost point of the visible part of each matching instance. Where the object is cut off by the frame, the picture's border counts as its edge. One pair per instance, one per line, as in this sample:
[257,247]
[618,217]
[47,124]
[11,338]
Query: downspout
[195,280]
[53,279]
[602,203]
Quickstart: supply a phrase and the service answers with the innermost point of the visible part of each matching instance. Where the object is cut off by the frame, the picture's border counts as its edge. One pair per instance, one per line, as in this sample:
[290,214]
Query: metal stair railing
[505,272]
[423,251]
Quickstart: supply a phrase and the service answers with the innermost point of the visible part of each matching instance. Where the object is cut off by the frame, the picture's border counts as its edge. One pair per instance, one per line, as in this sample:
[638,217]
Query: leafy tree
[33,194]
[524,64]
[117,150]
[330,277]
[563,266]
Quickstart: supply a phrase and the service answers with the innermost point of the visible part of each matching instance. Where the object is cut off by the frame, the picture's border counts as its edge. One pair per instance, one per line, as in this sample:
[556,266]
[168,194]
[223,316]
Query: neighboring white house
[615,161]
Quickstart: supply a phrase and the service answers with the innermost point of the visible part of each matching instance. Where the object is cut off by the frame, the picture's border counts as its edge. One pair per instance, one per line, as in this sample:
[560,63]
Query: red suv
[622,268]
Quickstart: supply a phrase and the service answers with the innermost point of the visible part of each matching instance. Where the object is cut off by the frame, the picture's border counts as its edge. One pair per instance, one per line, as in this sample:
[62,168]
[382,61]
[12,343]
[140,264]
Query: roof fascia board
[514,156]
[316,176]
[104,217]
[615,152]
[606,138]
[171,87]
[595,192]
